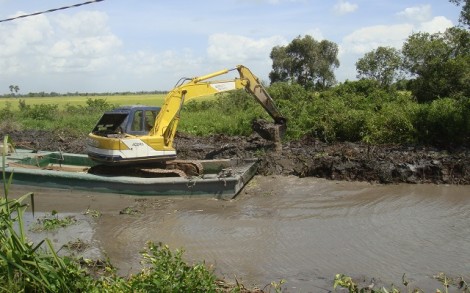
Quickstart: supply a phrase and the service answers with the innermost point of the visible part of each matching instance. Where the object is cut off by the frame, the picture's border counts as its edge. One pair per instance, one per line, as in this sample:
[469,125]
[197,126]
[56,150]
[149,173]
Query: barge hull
[224,178]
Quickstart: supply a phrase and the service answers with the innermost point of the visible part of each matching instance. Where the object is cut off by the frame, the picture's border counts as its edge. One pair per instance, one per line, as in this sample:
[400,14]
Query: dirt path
[304,158]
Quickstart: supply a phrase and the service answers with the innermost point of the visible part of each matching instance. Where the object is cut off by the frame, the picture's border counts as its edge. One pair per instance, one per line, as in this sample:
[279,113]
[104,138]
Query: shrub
[285,91]
[363,87]
[445,122]
[98,105]
[92,106]
[47,112]
[6,113]
[230,113]
[392,124]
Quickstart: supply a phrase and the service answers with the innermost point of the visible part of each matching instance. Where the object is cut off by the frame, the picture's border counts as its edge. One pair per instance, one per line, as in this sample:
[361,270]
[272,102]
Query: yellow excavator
[143,135]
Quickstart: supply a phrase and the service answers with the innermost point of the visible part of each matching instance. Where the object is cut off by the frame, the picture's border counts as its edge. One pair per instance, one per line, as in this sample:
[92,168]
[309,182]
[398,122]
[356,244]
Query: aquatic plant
[52,222]
[348,283]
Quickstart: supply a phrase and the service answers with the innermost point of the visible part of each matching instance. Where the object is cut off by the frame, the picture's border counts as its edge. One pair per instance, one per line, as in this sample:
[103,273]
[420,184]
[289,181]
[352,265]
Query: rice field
[62,101]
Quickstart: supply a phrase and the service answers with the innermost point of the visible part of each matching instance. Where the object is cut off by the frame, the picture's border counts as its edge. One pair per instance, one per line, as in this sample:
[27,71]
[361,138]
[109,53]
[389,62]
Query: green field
[62,101]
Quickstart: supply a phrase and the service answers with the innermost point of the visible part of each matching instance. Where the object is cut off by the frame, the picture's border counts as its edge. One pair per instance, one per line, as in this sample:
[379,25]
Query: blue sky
[118,45]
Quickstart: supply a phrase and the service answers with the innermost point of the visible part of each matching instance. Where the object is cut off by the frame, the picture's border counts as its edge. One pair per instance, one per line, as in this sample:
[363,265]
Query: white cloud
[344,7]
[368,38]
[20,37]
[83,24]
[435,25]
[145,63]
[236,48]
[72,43]
[417,14]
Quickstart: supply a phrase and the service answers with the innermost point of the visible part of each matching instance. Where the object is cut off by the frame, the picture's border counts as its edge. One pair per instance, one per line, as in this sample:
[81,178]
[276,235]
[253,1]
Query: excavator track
[189,167]
[158,172]
[173,168]
[181,168]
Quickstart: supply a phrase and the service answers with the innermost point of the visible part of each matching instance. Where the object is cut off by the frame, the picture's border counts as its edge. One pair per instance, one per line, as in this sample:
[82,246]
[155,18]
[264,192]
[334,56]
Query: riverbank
[308,157]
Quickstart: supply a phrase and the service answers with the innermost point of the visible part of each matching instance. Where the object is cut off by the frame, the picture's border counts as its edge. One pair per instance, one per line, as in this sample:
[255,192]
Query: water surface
[302,230]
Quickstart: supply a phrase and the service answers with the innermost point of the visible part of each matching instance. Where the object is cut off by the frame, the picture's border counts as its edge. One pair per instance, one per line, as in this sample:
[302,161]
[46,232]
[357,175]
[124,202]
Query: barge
[222,179]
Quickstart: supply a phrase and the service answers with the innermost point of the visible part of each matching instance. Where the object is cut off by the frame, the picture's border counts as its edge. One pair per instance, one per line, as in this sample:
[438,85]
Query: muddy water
[301,230]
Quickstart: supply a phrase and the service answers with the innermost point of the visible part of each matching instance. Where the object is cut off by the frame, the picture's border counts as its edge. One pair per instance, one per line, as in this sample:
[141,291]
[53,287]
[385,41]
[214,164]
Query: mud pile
[303,158]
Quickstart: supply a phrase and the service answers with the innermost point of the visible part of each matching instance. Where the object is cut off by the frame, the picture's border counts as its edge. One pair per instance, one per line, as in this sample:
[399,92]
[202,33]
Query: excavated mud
[304,158]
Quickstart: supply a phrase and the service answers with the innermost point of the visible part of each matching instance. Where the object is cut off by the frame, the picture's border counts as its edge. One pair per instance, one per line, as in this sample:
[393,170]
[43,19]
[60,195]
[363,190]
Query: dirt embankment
[306,157]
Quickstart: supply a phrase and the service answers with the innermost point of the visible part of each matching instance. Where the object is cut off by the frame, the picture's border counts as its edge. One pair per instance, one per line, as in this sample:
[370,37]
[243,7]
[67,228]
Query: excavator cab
[133,120]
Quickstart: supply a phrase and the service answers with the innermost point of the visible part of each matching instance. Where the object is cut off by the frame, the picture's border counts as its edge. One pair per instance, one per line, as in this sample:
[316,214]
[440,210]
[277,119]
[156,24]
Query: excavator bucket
[270,131]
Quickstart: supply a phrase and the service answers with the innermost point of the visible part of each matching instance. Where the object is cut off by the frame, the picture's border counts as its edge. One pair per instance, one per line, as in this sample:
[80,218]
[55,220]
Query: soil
[304,158]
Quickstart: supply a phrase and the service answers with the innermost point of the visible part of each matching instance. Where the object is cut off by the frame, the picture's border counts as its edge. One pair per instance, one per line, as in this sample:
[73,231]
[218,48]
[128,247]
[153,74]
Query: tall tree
[439,63]
[465,13]
[381,64]
[14,88]
[305,61]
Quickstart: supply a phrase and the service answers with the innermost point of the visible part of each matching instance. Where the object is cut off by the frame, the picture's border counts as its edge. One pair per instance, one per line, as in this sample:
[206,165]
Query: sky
[146,45]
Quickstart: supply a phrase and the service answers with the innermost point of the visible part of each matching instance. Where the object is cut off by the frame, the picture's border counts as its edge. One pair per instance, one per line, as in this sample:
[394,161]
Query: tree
[465,13]
[382,65]
[305,61]
[14,88]
[439,64]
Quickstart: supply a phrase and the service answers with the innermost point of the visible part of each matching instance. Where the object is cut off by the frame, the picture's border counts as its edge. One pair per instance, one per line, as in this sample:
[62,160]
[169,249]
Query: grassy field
[62,101]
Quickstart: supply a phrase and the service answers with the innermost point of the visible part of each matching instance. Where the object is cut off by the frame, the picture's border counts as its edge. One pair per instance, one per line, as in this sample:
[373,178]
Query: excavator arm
[168,117]
[253,86]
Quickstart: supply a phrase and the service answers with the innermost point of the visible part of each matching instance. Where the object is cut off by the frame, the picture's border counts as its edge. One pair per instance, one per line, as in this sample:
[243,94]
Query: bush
[6,113]
[362,87]
[445,122]
[285,91]
[98,105]
[392,124]
[230,113]
[46,112]
[294,102]
[92,106]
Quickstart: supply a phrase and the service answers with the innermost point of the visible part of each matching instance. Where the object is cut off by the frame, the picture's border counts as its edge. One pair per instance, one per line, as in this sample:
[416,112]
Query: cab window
[137,124]
[149,119]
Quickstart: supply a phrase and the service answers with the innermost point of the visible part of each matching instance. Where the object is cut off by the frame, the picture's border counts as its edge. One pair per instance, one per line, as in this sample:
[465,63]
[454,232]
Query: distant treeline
[55,94]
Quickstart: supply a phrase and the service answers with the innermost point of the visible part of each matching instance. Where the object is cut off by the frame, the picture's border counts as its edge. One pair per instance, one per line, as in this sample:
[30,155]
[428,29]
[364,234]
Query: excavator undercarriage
[171,168]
